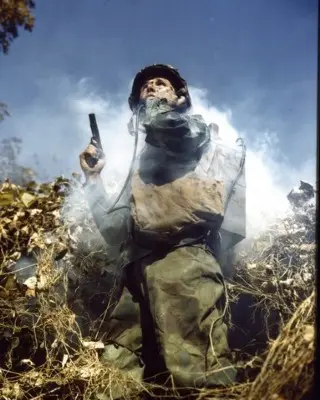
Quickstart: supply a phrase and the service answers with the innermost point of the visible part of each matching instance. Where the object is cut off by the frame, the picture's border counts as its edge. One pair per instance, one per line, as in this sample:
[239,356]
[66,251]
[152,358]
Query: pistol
[95,141]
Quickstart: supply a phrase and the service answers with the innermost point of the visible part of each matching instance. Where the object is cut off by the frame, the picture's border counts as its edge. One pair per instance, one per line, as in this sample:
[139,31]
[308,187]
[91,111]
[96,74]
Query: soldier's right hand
[92,161]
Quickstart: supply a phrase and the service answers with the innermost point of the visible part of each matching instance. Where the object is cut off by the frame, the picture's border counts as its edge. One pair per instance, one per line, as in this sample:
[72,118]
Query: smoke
[269,174]
[55,128]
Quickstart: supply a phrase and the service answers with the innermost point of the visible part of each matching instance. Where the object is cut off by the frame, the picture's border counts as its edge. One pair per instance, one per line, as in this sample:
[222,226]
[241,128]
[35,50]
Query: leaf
[10,283]
[27,199]
[35,211]
[3,233]
[25,229]
[15,256]
[30,293]
[6,199]
[4,294]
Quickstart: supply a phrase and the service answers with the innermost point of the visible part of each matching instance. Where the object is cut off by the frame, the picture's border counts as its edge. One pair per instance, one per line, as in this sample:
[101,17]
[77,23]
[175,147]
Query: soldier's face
[159,88]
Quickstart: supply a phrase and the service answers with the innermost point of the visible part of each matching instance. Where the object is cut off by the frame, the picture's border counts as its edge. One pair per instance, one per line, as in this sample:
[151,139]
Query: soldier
[164,232]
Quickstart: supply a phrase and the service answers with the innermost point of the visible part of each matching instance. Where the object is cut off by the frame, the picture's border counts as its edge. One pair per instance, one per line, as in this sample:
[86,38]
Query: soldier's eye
[160,82]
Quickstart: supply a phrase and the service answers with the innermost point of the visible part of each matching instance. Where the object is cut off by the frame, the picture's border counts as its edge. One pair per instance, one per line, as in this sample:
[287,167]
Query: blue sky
[257,58]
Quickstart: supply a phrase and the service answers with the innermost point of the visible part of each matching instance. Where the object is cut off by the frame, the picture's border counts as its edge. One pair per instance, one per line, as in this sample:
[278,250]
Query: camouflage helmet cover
[154,71]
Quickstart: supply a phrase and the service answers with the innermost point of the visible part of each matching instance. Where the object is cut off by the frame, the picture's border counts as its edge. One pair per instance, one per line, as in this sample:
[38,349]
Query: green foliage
[14,14]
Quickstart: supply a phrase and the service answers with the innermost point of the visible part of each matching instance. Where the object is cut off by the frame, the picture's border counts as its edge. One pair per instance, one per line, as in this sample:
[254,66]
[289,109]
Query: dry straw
[45,353]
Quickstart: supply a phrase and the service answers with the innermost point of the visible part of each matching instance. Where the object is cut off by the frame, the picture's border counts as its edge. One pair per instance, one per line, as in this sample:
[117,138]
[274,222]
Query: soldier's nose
[150,88]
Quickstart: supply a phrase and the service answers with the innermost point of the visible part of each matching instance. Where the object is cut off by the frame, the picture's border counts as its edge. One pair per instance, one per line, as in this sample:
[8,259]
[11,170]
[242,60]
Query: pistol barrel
[95,130]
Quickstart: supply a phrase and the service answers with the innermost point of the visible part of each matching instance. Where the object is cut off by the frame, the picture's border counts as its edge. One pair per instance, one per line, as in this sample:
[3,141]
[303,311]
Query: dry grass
[45,354]
[288,370]
[278,269]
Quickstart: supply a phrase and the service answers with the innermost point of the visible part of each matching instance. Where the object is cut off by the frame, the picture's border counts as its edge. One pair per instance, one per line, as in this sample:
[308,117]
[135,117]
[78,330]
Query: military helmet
[163,71]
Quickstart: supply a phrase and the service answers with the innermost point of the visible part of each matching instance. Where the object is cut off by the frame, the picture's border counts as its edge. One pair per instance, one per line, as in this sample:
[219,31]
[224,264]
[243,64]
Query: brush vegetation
[57,284]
